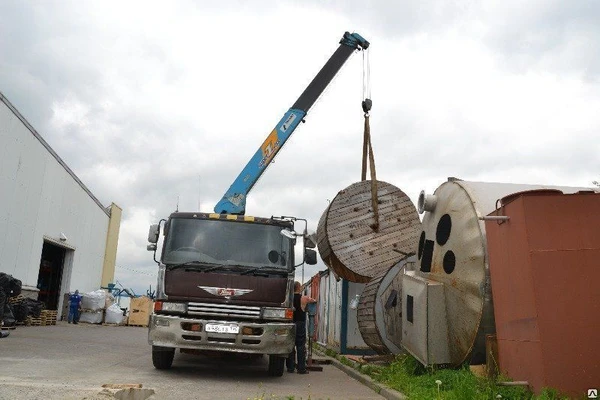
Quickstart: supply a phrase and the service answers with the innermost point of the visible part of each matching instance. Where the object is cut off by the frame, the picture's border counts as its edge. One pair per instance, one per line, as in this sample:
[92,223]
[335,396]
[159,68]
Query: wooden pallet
[16,299]
[8,328]
[139,326]
[48,317]
[33,321]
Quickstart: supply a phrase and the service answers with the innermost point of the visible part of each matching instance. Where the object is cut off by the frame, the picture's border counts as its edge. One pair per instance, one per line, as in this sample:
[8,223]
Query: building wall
[354,338]
[41,198]
[337,324]
[334,311]
[322,308]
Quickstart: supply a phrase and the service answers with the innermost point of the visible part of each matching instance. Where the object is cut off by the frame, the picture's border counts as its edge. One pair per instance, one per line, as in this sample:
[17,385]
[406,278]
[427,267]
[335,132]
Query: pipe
[494,218]
[426,202]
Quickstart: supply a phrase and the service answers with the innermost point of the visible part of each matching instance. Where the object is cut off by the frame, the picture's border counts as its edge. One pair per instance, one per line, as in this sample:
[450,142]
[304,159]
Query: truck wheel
[162,357]
[276,365]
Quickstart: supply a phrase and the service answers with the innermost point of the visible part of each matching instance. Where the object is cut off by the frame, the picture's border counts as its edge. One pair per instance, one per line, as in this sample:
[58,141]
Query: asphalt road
[67,361]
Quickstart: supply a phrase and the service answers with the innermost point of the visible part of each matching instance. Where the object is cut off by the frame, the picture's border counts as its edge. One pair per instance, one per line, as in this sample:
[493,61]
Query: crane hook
[366,105]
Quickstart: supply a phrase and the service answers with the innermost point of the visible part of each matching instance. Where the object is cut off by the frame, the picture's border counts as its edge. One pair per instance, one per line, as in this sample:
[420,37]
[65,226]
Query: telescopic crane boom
[234,200]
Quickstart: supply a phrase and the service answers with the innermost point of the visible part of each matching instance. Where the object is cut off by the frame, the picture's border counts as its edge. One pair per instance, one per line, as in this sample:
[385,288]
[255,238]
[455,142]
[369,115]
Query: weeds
[370,370]
[410,377]
[407,375]
[345,361]
[330,353]
[551,394]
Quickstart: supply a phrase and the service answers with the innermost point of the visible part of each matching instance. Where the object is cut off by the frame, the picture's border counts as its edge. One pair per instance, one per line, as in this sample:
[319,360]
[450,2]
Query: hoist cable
[366,75]
[367,144]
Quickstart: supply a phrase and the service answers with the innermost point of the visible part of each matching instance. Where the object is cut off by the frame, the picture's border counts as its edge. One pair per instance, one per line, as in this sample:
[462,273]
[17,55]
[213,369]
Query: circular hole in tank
[421,244]
[444,226]
[449,261]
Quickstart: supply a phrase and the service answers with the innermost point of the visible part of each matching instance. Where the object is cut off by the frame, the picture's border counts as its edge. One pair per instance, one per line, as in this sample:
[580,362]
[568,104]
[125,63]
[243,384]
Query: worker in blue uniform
[74,307]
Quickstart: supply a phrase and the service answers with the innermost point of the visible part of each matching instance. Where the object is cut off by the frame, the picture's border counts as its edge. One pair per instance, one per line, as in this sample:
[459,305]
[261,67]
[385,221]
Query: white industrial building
[55,235]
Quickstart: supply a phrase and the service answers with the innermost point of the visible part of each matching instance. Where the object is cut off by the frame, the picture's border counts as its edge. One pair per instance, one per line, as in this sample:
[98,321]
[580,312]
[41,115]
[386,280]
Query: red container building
[545,275]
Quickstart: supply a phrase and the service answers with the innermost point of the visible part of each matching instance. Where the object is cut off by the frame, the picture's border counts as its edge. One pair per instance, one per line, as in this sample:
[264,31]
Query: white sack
[95,300]
[109,301]
[92,317]
[114,315]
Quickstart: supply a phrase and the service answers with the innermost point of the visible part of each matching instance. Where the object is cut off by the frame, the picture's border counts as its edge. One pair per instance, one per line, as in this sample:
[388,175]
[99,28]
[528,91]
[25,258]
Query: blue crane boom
[234,200]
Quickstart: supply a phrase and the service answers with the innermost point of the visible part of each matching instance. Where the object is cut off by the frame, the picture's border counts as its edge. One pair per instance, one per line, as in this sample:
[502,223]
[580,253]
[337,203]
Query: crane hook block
[366,105]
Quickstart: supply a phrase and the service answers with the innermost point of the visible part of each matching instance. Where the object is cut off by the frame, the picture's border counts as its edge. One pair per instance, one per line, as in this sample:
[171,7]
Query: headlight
[170,307]
[277,313]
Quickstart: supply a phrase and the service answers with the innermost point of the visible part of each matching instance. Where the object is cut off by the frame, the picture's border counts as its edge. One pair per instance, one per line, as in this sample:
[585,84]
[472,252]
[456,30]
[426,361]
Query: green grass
[329,352]
[345,361]
[410,377]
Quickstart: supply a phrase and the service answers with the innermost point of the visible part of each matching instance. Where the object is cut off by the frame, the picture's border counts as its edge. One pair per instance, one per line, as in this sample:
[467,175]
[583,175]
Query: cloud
[157,106]
[538,35]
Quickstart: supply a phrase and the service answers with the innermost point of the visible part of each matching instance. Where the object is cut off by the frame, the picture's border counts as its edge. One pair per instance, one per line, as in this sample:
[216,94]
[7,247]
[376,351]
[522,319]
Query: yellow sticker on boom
[269,148]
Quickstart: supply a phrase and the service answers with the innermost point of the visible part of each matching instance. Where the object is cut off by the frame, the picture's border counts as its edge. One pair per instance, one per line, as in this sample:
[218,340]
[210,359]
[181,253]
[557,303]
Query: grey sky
[149,102]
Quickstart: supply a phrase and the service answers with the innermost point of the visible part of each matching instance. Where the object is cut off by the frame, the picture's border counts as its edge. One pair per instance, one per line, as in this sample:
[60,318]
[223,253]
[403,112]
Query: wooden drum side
[348,241]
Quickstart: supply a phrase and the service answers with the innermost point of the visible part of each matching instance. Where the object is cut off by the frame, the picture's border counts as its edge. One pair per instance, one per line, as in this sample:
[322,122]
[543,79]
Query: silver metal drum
[451,285]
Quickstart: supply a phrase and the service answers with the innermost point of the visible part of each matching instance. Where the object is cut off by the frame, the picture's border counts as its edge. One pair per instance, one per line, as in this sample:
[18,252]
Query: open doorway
[51,274]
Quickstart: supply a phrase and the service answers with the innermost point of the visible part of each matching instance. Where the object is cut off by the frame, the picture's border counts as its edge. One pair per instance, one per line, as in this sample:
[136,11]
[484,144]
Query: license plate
[222,328]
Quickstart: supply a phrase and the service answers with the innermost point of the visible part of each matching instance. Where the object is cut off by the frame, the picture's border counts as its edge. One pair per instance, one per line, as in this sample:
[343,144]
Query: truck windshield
[227,243]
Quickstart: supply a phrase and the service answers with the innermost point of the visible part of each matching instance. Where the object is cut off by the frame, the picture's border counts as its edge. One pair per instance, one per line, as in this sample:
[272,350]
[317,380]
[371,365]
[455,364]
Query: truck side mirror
[310,241]
[310,256]
[153,233]
[151,247]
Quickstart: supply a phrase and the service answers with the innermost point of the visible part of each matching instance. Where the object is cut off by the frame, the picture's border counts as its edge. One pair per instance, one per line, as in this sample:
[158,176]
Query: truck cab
[225,283]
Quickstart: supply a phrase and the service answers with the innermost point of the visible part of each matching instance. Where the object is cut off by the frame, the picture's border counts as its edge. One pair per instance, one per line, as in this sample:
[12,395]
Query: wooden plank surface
[366,317]
[350,244]
[381,327]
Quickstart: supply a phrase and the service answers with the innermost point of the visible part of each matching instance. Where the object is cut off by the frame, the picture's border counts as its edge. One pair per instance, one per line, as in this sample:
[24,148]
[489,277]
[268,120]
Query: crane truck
[226,280]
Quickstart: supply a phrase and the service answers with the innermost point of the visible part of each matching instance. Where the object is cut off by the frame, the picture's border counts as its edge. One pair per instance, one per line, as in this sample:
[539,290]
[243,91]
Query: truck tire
[162,357]
[276,365]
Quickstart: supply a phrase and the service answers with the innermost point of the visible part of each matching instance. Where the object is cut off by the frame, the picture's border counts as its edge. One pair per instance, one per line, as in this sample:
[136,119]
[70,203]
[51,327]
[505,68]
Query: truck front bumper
[188,333]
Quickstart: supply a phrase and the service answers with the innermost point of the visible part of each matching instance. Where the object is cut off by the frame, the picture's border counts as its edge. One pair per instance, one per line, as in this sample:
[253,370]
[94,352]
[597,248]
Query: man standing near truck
[299,352]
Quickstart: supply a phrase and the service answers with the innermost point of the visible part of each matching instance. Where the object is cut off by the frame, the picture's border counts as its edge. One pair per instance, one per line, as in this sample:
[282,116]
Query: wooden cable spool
[365,315]
[356,246]
[379,311]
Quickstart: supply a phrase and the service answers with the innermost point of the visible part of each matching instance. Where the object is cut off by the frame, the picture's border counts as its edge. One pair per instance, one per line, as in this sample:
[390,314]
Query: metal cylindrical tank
[452,250]
[349,243]
[380,310]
